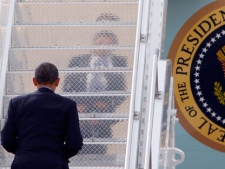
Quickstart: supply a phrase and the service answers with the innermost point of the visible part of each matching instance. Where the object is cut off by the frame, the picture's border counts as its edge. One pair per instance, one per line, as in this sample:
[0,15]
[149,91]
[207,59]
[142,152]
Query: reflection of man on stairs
[101,58]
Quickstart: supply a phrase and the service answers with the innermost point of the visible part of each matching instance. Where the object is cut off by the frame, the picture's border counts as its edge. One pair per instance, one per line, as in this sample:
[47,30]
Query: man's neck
[45,87]
[49,86]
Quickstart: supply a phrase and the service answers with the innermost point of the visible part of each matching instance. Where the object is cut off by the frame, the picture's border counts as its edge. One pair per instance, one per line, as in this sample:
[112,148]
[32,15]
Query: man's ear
[57,82]
[35,81]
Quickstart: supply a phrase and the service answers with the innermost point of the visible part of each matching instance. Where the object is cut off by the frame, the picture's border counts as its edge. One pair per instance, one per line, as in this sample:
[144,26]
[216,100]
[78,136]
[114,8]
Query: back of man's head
[46,73]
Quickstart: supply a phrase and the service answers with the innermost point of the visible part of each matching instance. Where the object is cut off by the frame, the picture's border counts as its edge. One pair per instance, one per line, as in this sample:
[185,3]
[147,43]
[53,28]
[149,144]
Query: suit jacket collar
[45,89]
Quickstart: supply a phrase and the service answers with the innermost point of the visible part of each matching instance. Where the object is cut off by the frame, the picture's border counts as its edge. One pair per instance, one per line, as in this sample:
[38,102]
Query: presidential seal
[198,56]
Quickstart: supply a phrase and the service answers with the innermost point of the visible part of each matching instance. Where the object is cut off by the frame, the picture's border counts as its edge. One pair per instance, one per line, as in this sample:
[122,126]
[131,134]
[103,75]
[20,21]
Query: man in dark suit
[42,128]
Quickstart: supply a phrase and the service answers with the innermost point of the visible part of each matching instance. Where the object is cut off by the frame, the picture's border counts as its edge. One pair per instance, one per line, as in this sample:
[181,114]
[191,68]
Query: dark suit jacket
[42,130]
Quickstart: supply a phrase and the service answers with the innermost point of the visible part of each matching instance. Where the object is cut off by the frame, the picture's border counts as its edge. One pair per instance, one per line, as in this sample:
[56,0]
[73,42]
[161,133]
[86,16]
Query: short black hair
[46,73]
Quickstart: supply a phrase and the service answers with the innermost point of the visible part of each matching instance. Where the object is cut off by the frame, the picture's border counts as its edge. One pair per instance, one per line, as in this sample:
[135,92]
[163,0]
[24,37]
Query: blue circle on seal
[207,76]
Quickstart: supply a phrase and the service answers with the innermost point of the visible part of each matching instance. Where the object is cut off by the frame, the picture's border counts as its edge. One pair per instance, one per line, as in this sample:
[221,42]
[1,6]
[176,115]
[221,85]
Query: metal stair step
[109,155]
[113,156]
[21,82]
[26,59]
[119,111]
[117,127]
[73,13]
[68,36]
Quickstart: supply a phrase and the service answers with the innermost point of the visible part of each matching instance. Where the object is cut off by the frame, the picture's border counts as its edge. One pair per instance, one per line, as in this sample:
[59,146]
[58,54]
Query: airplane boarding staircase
[136,130]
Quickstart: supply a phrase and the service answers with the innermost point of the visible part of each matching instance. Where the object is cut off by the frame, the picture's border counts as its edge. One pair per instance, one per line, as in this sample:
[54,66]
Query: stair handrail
[4,64]
[131,157]
[153,87]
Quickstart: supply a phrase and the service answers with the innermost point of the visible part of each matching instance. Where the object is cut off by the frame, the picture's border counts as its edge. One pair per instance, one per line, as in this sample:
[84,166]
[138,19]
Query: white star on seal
[218,118]
[209,109]
[204,50]
[196,81]
[197,87]
[201,55]
[223,32]
[208,45]
[197,68]
[202,99]
[199,93]
[199,61]
[196,74]
[213,40]
[205,104]
[218,36]
[213,114]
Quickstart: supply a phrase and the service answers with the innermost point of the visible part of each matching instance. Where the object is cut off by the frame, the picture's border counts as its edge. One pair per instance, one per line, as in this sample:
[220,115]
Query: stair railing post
[5,57]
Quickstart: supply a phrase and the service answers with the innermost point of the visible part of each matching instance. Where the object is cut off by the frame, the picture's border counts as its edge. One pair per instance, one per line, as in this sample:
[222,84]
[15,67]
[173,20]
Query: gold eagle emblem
[217,86]
[221,57]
